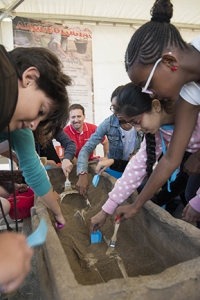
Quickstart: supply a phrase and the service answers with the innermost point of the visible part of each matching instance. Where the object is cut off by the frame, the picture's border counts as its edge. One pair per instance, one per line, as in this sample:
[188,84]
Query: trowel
[95,180]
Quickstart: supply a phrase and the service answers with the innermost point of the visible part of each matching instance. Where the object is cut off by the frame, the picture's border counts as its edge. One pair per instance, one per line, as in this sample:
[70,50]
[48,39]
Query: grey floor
[30,289]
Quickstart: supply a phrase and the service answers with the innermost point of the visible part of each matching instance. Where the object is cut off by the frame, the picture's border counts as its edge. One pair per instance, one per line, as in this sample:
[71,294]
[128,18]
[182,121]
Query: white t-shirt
[4,146]
[128,140]
[190,92]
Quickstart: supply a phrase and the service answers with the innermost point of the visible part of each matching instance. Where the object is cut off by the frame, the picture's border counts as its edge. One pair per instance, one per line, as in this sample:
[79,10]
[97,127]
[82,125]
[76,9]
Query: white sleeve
[190,92]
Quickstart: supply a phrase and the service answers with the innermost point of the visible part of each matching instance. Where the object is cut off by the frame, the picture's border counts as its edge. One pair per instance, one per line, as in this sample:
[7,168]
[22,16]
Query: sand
[98,263]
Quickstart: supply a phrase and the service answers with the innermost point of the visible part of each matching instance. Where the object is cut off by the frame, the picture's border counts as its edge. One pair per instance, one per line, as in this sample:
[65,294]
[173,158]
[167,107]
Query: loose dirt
[97,263]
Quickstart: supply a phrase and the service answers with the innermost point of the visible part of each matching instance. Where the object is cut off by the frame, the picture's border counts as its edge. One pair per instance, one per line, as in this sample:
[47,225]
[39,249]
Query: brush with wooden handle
[68,186]
[114,237]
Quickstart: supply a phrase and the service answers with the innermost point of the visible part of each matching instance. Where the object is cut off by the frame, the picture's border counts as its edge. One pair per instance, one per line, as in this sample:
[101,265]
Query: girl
[123,141]
[148,115]
[158,60]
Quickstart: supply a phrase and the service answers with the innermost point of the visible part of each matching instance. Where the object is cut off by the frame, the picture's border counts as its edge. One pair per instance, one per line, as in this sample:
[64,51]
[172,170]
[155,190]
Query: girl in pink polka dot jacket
[153,117]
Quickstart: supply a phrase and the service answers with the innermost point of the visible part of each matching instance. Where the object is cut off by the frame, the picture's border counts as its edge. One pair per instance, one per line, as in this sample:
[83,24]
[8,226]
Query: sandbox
[156,256]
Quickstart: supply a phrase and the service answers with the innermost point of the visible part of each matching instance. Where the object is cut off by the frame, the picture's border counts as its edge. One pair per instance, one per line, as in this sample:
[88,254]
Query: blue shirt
[33,171]
[111,128]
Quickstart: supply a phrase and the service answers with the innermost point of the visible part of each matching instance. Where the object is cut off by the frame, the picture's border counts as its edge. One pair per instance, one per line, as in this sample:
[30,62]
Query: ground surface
[97,263]
[29,290]
[94,263]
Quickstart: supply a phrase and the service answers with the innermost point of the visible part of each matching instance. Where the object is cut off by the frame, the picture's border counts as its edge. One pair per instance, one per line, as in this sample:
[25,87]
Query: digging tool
[68,186]
[95,180]
[96,237]
[38,237]
[114,237]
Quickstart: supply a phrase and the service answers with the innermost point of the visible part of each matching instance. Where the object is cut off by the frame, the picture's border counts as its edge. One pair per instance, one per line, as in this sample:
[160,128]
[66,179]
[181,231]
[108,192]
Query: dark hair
[132,102]
[151,152]
[52,81]
[149,41]
[77,106]
[115,93]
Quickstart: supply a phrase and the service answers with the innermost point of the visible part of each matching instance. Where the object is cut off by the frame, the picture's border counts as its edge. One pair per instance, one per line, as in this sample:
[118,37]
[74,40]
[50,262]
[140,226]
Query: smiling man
[80,131]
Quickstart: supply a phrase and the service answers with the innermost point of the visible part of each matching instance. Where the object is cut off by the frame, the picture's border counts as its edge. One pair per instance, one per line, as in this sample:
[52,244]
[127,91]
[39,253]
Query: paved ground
[29,290]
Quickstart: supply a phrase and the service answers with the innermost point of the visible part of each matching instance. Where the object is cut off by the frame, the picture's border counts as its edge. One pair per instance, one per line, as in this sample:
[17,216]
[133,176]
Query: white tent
[112,23]
[132,12]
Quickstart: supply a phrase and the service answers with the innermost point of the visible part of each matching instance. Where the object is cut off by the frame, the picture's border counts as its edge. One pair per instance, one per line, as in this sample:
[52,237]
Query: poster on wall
[72,44]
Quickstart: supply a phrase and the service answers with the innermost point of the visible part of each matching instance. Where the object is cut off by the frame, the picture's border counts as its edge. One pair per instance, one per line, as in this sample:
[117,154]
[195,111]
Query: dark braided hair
[151,152]
[149,41]
[132,102]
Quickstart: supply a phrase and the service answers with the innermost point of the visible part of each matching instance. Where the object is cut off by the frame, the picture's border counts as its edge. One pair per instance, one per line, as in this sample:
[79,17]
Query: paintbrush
[114,237]
[68,186]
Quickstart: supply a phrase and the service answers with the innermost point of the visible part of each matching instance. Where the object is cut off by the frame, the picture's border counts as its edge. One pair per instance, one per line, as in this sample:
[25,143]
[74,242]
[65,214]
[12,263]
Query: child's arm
[185,120]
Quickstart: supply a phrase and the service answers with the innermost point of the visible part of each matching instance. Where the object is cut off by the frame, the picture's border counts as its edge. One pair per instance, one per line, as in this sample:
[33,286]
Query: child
[123,141]
[33,96]
[158,60]
[148,115]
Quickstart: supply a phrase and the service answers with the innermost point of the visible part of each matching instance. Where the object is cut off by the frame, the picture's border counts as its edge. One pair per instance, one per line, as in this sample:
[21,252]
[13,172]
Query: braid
[149,41]
[150,149]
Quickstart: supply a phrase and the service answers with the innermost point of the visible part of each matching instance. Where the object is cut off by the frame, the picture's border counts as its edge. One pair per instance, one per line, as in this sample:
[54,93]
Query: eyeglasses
[112,108]
[133,123]
[144,89]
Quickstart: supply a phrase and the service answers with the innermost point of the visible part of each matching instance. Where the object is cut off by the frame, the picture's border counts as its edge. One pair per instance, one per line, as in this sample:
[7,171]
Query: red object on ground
[24,203]
[117,218]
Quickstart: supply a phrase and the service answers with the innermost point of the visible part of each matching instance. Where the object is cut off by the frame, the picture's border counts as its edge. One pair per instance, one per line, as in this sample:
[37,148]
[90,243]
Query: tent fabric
[185,12]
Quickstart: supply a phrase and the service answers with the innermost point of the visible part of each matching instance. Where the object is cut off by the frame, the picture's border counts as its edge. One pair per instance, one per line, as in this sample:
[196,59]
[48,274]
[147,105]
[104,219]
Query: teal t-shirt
[33,171]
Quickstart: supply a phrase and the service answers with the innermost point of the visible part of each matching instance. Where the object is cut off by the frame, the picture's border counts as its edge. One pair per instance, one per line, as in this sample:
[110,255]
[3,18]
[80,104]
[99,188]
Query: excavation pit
[155,256]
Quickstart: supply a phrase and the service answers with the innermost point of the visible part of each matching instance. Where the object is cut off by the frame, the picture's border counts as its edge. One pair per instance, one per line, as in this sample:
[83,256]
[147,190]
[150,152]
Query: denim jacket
[111,128]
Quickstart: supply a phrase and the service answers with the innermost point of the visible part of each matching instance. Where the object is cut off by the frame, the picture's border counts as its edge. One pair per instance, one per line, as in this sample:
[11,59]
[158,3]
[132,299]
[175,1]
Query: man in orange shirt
[80,131]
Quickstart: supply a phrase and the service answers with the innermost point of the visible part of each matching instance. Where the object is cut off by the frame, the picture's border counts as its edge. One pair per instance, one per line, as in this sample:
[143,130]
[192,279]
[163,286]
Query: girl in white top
[158,60]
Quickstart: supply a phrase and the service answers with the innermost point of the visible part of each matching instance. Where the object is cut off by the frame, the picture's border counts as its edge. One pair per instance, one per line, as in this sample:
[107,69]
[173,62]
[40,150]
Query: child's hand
[103,158]
[67,167]
[125,212]
[82,185]
[103,164]
[97,221]
[190,214]
[60,219]
[15,260]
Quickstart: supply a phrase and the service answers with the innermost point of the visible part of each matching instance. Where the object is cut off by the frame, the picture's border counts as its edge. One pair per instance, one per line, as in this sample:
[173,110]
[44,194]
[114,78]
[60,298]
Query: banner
[72,44]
